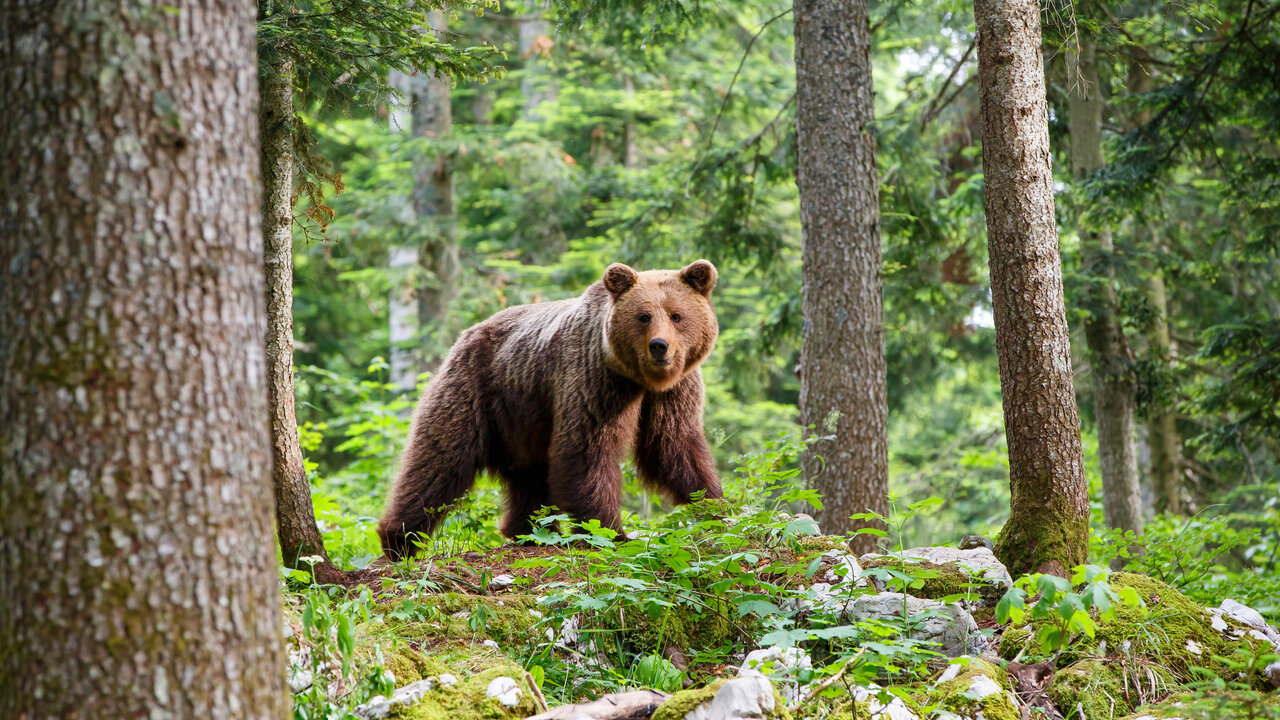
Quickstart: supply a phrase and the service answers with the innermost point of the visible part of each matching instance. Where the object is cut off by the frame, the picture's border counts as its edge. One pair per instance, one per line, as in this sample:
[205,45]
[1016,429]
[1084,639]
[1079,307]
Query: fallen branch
[637,705]
[825,683]
[537,692]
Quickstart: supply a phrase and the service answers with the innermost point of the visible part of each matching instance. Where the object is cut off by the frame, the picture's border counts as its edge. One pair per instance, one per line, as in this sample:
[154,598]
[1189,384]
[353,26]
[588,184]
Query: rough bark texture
[433,199]
[1162,421]
[1110,359]
[1048,527]
[843,364]
[295,514]
[138,577]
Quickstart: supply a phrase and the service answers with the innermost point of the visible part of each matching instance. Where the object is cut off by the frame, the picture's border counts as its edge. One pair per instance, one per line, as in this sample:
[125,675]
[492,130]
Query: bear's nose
[658,348]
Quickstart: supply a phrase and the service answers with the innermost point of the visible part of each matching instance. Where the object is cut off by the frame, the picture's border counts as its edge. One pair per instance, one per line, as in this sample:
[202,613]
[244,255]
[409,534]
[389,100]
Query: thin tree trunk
[433,201]
[1109,355]
[842,379]
[1162,425]
[535,46]
[1048,527]
[138,577]
[295,514]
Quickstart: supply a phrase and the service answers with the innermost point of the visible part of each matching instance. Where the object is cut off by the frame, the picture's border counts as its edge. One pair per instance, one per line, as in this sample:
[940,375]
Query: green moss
[1236,704]
[454,616]
[954,695]
[684,629]
[817,544]
[1016,640]
[1047,540]
[467,700]
[409,665]
[1098,689]
[684,702]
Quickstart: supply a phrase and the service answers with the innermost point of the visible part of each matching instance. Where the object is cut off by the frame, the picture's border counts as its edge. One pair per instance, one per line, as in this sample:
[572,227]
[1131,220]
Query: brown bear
[548,397]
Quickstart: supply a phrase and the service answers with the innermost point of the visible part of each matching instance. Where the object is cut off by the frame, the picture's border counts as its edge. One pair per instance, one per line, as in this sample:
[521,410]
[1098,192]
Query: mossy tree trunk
[1110,360]
[295,514]
[1048,526]
[138,577]
[842,376]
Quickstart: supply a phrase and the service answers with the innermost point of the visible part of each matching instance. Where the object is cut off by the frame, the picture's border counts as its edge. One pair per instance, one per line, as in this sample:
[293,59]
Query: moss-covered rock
[1105,689]
[1218,706]
[939,580]
[1015,641]
[507,619]
[467,700]
[974,688]
[685,701]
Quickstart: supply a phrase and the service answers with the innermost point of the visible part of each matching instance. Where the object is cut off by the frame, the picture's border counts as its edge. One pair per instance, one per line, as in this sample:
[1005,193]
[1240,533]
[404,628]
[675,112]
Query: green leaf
[759,607]
[1012,606]
[658,673]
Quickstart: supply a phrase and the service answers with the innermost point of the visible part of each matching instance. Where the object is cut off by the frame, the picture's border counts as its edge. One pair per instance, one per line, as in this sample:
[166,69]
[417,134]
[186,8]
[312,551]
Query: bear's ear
[700,275]
[619,278]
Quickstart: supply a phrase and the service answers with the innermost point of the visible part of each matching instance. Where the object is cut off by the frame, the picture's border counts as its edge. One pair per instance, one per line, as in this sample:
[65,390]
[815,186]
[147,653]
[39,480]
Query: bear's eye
[675,317]
[645,318]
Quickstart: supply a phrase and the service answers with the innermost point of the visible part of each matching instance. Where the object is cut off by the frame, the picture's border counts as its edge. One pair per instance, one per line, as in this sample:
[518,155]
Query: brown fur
[549,397]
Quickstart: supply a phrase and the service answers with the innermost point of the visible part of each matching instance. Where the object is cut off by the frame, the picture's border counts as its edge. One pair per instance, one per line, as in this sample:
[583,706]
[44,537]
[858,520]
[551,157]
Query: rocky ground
[1142,663]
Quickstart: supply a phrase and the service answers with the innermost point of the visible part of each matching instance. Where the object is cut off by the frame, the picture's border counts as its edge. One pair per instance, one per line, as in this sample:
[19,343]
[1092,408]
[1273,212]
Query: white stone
[501,582]
[981,561]
[1194,648]
[782,665]
[949,625]
[895,710]
[846,570]
[492,644]
[380,707]
[742,698]
[505,689]
[1217,623]
[447,680]
[951,673]
[983,686]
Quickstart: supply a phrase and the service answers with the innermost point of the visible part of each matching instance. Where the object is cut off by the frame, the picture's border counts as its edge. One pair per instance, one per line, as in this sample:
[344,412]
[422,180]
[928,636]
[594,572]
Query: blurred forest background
[654,134]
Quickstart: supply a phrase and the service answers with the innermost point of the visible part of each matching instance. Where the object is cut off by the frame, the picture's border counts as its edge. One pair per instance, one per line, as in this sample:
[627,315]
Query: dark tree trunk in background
[843,364]
[295,514]
[1110,360]
[433,201]
[1048,527]
[1162,418]
[138,577]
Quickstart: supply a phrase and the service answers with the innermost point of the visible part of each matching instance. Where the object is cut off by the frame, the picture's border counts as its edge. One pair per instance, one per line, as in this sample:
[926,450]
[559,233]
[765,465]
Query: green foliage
[1063,611]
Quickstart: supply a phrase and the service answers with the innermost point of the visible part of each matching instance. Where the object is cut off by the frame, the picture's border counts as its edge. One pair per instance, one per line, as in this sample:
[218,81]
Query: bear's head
[662,325]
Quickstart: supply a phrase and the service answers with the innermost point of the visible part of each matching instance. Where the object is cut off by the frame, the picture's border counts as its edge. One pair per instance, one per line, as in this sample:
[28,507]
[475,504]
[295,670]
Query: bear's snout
[658,349]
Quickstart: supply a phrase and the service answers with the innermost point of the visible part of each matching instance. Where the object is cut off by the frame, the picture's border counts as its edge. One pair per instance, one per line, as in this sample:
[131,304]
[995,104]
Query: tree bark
[1162,420]
[295,515]
[843,365]
[138,576]
[1048,526]
[535,46]
[1110,359]
[433,201]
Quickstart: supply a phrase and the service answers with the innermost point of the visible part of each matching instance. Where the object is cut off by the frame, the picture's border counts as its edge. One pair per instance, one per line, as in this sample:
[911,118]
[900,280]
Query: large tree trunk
[433,201]
[1110,360]
[843,366]
[138,577]
[295,514]
[1048,527]
[1162,419]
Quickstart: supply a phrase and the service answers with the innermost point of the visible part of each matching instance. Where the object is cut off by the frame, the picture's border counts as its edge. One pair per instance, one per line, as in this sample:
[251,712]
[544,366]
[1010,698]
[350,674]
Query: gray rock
[779,664]
[1246,615]
[846,570]
[501,582]
[981,562]
[947,624]
[1272,672]
[380,707]
[742,698]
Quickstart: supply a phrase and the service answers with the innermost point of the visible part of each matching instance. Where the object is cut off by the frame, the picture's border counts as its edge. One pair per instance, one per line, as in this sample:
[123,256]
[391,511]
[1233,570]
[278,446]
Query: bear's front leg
[584,477]
[671,446]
